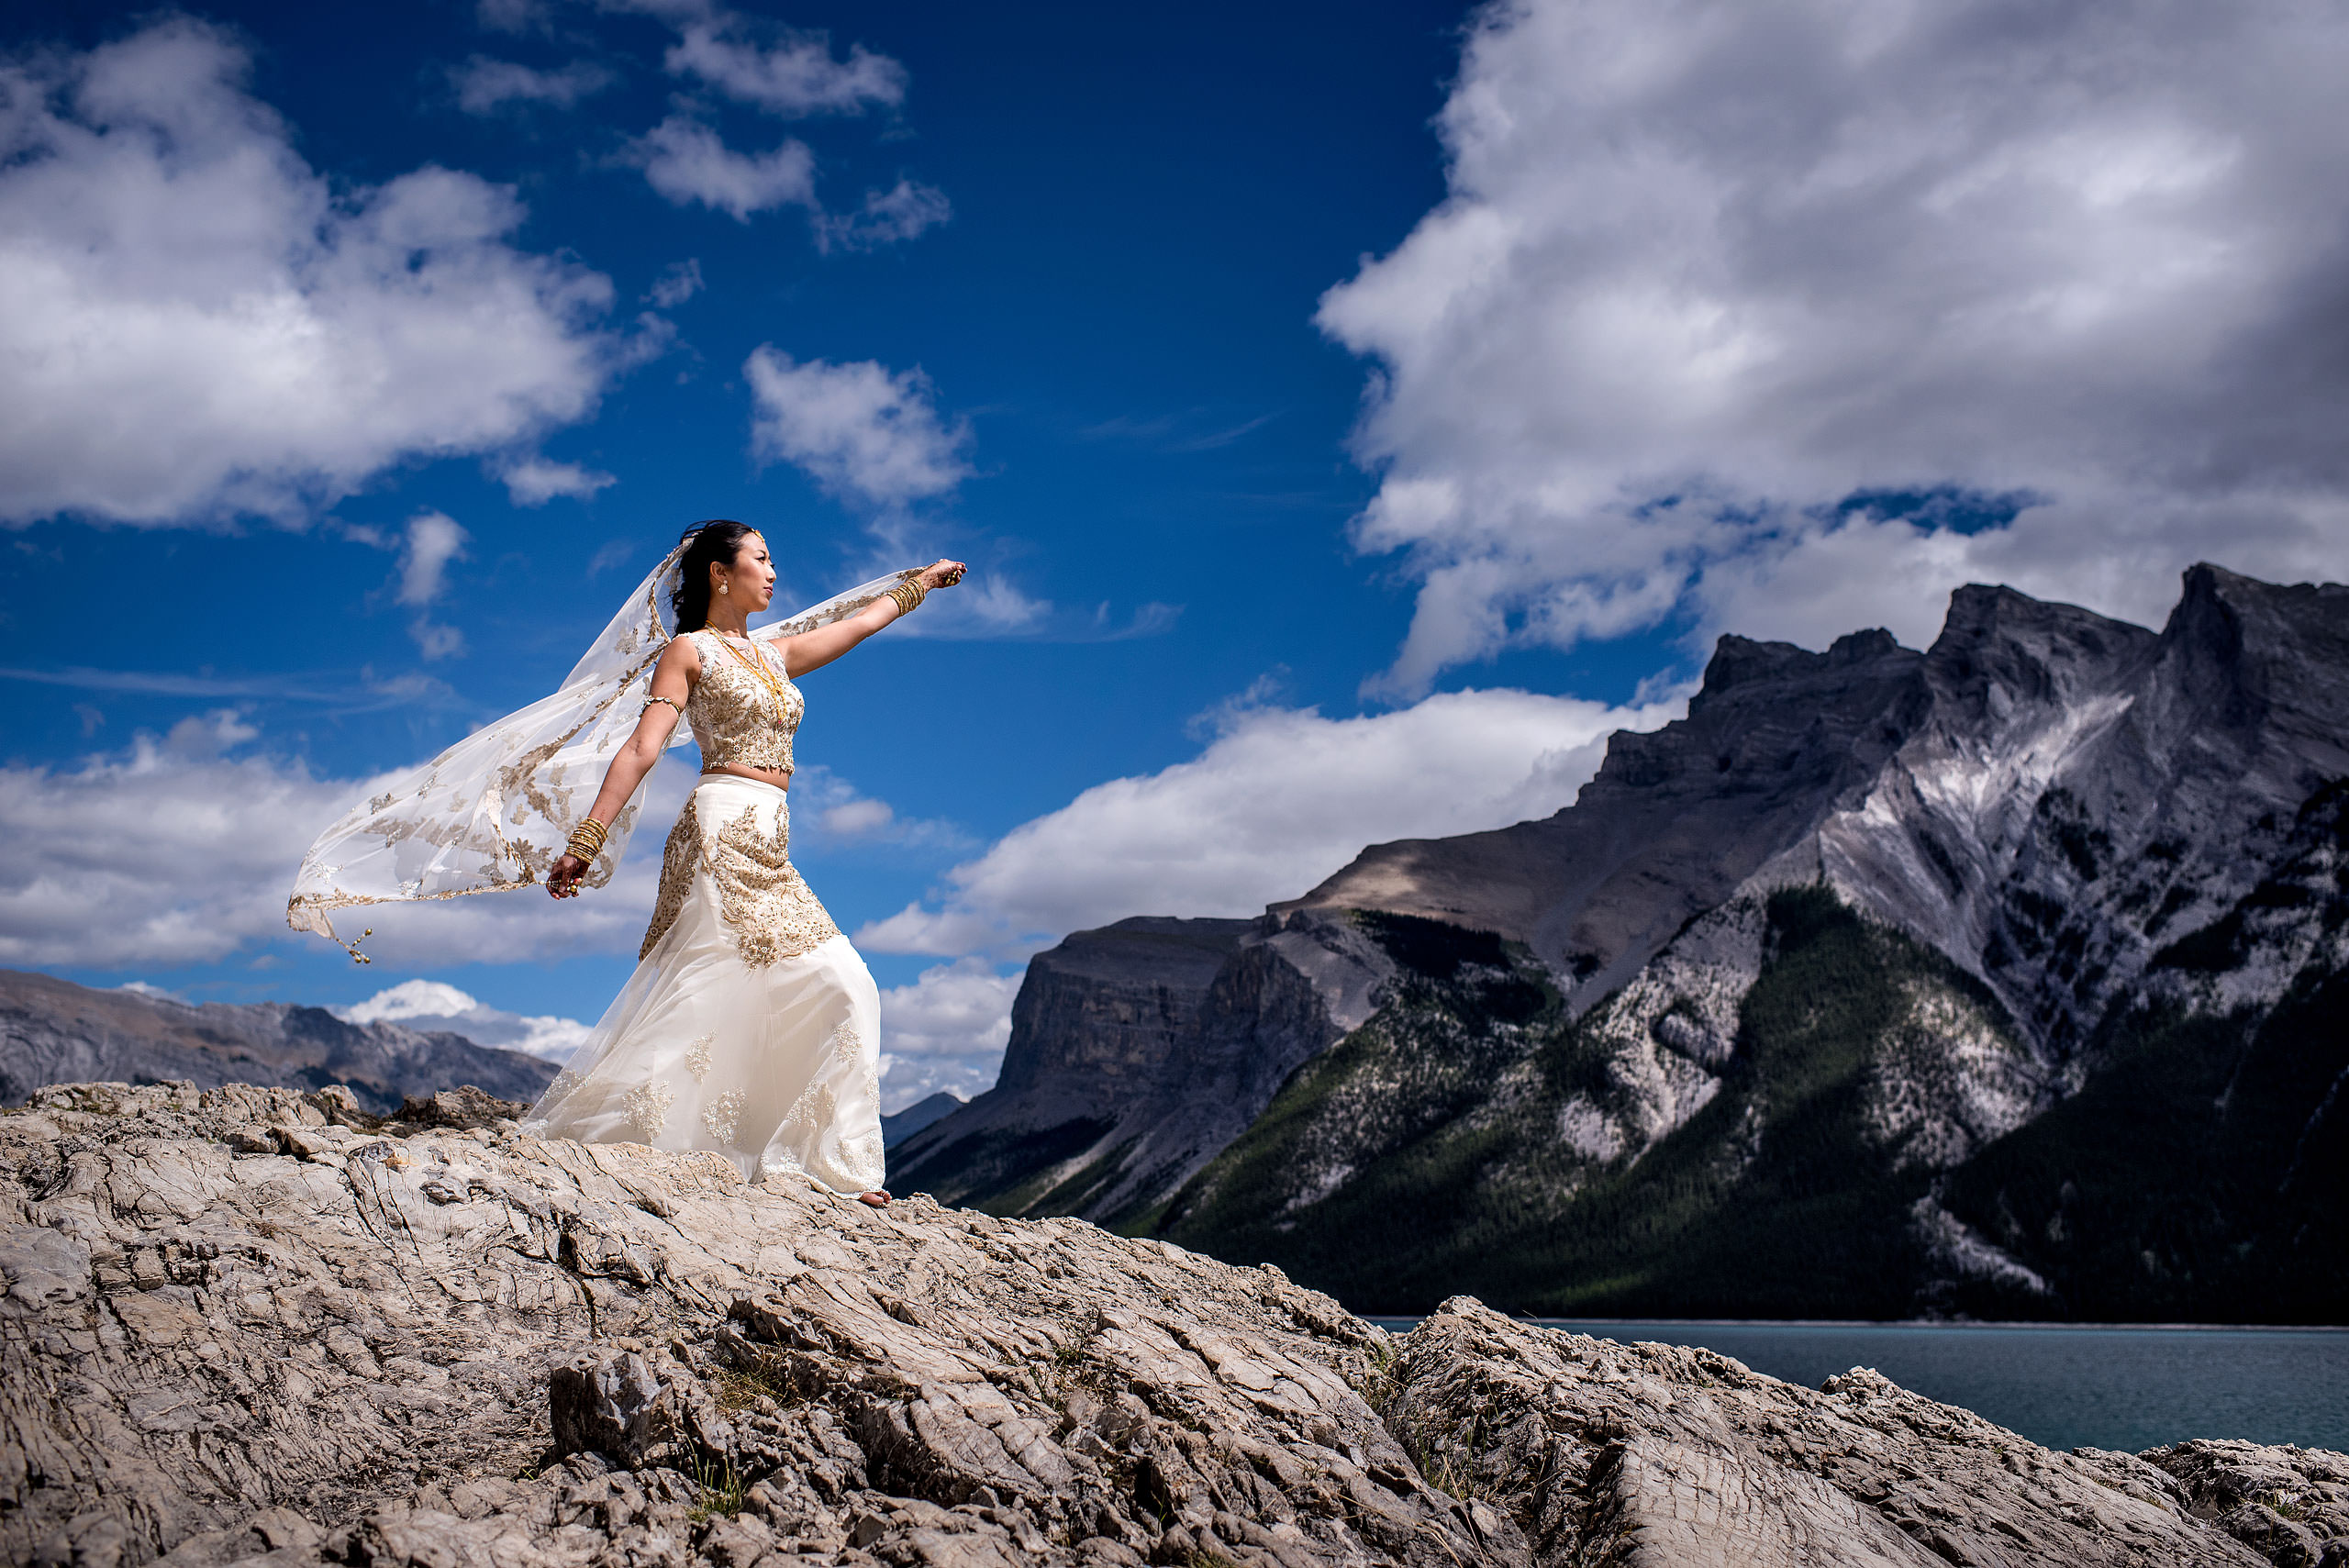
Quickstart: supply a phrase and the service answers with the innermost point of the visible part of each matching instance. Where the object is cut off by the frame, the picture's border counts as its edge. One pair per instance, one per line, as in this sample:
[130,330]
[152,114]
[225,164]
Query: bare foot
[876,1198]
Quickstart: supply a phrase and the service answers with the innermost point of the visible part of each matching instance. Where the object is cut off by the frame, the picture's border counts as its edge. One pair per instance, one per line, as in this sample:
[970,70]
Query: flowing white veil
[493,811]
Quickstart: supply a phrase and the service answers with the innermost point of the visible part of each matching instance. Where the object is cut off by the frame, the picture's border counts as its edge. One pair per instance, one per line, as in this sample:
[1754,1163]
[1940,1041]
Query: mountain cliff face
[1994,978]
[1674,823]
[2041,797]
[1136,1052]
[53,1032]
[2001,978]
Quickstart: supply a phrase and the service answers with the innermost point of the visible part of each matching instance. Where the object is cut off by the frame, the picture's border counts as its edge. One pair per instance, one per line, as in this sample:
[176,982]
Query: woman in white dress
[750,1026]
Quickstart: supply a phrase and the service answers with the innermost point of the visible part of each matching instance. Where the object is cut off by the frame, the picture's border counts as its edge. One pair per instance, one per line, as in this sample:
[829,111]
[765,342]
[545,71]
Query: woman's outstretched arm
[814,650]
[673,681]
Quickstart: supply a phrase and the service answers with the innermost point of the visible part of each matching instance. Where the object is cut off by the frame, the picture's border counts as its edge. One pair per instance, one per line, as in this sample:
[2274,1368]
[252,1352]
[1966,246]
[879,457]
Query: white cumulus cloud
[678,282]
[1788,316]
[1280,799]
[796,76]
[432,1005]
[194,323]
[687,162]
[787,73]
[181,850]
[946,1031]
[434,540]
[888,217]
[486,86]
[836,812]
[169,853]
[513,15]
[861,430]
[534,481]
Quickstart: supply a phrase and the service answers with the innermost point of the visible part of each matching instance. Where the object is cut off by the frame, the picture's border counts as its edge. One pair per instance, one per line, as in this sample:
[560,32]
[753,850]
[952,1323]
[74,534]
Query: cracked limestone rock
[236,1331]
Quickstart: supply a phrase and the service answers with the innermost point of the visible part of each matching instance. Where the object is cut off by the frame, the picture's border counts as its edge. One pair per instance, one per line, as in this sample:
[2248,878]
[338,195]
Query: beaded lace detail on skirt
[751,1029]
[769,904]
[818,1105]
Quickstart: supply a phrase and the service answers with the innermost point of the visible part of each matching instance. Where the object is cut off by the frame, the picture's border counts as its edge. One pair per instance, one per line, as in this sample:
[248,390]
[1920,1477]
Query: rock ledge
[239,1329]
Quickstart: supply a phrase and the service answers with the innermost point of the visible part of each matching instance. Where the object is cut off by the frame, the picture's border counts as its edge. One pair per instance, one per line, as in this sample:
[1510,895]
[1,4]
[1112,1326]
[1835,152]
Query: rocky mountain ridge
[898,1126]
[2022,862]
[2039,797]
[246,1327]
[53,1032]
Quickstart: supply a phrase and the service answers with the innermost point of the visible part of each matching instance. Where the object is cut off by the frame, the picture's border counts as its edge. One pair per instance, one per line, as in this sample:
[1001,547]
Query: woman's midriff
[779,777]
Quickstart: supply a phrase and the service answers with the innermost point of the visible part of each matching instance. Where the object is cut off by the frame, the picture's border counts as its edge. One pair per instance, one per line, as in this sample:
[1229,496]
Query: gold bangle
[587,841]
[648,708]
[909,597]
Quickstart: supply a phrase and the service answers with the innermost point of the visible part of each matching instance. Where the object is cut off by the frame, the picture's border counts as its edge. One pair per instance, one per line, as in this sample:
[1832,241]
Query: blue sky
[1351,413]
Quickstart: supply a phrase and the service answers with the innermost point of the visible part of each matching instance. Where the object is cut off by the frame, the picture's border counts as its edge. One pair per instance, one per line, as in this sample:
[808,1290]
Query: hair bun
[714,541]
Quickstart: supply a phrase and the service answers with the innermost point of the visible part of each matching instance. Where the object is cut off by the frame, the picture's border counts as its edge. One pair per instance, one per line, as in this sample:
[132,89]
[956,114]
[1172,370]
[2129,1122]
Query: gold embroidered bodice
[737,716]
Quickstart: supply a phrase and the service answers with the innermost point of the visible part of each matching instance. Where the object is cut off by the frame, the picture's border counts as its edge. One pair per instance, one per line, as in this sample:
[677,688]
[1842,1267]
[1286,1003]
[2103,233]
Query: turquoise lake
[2062,1387]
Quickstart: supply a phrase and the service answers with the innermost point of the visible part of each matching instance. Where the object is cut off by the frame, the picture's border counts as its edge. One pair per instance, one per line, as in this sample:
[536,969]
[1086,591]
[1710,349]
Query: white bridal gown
[750,1026]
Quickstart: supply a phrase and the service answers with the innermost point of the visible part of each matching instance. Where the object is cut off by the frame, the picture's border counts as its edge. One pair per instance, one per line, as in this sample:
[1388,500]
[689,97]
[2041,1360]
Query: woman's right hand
[563,881]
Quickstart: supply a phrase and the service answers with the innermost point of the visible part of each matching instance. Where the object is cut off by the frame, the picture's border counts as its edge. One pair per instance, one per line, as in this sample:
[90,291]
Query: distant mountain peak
[53,1032]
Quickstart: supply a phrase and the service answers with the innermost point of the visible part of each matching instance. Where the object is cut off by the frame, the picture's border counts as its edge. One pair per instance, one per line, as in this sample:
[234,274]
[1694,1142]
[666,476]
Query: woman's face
[749,583]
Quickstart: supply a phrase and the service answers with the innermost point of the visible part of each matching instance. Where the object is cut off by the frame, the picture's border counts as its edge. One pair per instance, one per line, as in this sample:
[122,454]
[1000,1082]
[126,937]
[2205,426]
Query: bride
[750,1026]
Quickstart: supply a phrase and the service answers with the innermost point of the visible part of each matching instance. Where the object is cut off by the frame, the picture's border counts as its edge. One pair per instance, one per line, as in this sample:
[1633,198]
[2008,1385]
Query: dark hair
[713,542]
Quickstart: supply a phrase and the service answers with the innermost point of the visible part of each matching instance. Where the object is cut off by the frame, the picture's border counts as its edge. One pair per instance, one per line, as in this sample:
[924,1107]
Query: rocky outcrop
[53,1032]
[1136,1054]
[236,1331]
[2288,1504]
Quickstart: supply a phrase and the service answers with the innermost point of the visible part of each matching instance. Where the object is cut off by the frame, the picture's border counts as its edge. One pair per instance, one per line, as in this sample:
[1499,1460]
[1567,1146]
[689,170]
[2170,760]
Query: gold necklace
[756,662]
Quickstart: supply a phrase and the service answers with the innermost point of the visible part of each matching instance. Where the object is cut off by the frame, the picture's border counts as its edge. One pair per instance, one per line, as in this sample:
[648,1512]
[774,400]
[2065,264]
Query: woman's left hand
[943,573]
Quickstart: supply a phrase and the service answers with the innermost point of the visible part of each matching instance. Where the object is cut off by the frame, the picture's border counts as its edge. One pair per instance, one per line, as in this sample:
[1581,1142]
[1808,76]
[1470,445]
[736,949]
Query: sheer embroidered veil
[493,811]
